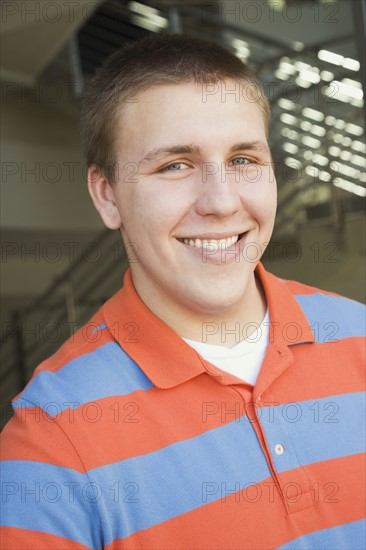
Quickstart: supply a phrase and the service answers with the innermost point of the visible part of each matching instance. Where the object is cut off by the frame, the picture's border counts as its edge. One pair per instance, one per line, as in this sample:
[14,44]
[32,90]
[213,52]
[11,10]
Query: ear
[102,194]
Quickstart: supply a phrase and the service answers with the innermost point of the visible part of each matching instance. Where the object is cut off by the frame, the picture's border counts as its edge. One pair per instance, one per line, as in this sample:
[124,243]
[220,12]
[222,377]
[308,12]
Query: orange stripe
[14,538]
[233,524]
[314,377]
[30,436]
[144,421]
[124,426]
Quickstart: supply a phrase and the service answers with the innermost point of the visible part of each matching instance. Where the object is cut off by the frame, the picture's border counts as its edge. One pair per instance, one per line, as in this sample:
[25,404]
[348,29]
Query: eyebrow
[251,145]
[162,152]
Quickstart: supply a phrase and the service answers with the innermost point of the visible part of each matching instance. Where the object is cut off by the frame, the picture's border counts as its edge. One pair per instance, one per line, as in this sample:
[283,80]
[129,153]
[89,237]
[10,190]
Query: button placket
[284,457]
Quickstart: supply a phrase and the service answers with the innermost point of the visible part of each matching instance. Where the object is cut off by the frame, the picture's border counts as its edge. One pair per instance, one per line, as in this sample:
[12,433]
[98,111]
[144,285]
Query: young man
[165,430]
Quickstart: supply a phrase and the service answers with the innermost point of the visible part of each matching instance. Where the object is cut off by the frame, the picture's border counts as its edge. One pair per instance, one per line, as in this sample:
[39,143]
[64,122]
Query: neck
[224,328]
[229,328]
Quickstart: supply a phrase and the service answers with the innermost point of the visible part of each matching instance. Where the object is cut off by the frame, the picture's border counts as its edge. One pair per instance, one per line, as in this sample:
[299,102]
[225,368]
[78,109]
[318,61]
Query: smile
[212,244]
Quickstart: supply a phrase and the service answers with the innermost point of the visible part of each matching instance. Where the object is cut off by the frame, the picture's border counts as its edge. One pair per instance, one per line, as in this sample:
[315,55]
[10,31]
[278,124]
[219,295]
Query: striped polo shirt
[127,438]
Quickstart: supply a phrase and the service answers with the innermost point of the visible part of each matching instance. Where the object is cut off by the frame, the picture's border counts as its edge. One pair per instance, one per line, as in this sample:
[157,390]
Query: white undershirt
[244,360]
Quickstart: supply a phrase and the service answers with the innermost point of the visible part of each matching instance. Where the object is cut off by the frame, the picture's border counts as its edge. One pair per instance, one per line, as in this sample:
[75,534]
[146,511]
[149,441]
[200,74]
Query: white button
[259,398]
[279,449]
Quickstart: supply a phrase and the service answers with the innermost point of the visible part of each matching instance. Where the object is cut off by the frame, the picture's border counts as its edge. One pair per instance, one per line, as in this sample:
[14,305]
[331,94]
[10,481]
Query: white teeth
[213,244]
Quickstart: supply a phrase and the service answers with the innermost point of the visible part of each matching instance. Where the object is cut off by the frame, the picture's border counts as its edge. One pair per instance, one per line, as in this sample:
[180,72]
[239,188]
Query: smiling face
[196,197]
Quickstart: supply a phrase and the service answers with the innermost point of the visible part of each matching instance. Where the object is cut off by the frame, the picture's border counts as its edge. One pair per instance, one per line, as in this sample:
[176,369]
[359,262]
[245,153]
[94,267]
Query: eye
[240,161]
[174,167]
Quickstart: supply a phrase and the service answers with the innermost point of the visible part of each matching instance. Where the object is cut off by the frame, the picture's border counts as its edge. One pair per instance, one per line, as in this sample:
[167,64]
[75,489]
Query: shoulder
[89,366]
[319,295]
[328,308]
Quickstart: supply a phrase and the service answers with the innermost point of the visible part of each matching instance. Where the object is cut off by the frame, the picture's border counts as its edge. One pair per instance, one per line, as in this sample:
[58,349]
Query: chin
[214,302]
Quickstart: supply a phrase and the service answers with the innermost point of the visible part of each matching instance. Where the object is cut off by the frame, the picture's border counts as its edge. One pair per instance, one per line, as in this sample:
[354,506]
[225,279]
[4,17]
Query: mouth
[210,243]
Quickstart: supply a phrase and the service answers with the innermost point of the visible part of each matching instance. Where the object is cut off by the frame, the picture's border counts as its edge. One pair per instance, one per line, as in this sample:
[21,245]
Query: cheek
[165,204]
[147,215]
[260,198]
[261,202]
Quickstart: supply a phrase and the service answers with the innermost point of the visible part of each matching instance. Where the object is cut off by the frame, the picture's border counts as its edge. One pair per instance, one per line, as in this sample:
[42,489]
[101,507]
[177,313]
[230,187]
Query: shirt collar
[160,352]
[289,324]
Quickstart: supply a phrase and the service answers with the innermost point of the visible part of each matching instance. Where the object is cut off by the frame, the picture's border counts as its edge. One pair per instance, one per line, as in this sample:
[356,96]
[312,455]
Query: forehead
[190,113]
[229,93]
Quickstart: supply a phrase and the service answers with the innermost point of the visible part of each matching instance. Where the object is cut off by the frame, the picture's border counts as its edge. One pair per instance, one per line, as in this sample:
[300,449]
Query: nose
[218,192]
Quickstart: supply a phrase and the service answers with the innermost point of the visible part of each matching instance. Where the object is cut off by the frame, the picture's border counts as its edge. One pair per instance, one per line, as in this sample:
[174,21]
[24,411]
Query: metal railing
[39,329]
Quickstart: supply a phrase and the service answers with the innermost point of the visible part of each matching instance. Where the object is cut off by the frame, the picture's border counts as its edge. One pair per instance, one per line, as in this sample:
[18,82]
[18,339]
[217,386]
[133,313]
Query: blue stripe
[315,430]
[350,536]
[179,478]
[333,318]
[51,499]
[105,372]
